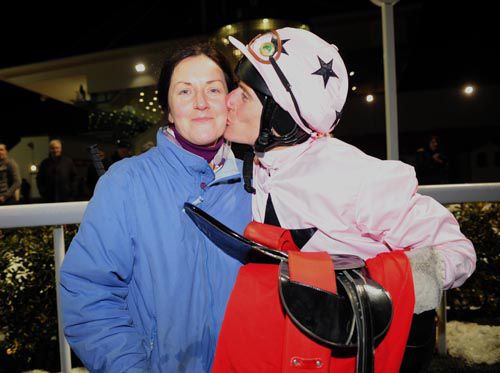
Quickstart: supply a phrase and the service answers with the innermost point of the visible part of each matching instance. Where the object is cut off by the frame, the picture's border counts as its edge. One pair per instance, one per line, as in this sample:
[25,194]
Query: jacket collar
[224,166]
[280,158]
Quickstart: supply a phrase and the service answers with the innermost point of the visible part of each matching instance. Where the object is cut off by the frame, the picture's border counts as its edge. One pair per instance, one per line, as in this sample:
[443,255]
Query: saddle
[355,318]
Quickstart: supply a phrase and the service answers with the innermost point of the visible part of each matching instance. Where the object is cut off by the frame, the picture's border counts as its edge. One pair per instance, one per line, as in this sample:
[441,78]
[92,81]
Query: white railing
[58,214]
[458,193]
[55,214]
[41,214]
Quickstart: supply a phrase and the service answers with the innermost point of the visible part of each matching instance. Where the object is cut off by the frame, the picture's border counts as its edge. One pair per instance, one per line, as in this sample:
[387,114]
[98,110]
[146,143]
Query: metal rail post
[59,251]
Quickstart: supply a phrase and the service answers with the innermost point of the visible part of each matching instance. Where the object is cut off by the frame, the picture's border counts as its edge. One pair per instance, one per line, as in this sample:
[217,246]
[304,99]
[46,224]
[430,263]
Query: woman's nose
[200,101]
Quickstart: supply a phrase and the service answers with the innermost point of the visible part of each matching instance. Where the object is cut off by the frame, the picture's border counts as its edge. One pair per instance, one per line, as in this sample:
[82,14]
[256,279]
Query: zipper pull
[197,201]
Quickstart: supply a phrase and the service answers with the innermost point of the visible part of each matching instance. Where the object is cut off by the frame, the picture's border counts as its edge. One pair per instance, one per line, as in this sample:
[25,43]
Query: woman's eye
[184,91]
[215,90]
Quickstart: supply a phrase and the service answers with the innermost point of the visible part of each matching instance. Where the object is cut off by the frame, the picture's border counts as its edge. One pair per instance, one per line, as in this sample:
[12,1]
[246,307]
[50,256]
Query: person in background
[142,289]
[123,150]
[92,177]
[293,86]
[431,164]
[146,146]
[57,179]
[10,179]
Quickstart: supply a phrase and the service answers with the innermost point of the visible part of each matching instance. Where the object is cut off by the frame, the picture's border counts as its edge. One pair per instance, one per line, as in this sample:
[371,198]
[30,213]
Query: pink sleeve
[389,210]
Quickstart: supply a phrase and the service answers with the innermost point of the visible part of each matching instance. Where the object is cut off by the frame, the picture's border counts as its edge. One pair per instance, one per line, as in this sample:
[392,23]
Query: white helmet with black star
[304,73]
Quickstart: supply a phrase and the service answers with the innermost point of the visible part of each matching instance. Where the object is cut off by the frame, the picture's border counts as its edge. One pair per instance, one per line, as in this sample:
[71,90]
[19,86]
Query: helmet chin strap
[277,128]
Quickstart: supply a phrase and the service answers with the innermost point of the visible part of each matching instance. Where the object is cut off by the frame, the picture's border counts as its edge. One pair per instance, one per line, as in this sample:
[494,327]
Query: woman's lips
[202,119]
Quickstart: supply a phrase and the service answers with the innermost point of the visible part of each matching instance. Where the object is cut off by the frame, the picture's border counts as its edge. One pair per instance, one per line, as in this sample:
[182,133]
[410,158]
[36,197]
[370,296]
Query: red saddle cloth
[270,236]
[257,336]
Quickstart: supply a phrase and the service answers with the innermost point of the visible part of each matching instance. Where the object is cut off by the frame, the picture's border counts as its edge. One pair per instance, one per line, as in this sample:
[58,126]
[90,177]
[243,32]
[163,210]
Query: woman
[293,86]
[142,289]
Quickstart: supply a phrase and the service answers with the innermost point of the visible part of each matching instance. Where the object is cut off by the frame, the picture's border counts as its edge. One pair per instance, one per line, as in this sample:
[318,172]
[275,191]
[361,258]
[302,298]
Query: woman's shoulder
[120,169]
[132,166]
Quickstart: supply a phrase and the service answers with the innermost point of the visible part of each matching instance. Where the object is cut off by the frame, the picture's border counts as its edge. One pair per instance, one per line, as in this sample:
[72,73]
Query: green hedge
[479,298]
[28,321]
[28,311]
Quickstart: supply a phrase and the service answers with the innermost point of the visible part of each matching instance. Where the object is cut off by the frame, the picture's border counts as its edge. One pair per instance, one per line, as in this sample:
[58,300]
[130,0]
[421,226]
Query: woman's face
[244,112]
[196,100]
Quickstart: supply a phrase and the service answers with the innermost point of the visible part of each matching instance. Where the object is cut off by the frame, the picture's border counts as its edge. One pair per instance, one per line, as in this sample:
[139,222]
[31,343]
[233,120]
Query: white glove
[428,277]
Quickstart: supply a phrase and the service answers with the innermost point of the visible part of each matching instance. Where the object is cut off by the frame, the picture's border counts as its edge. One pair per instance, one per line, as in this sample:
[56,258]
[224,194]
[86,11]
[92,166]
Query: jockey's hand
[428,277]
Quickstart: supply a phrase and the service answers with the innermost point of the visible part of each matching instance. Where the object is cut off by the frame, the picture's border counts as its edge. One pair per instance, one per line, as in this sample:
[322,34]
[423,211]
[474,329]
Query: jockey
[333,197]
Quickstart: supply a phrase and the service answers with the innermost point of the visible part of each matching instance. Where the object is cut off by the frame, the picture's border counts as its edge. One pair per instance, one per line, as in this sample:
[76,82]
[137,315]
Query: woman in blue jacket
[142,289]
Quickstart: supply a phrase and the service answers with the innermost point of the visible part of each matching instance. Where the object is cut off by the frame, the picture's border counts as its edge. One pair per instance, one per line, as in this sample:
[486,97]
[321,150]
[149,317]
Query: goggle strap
[288,88]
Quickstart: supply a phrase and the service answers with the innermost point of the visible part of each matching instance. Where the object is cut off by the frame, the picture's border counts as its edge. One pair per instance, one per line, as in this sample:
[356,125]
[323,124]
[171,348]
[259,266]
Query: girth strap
[354,285]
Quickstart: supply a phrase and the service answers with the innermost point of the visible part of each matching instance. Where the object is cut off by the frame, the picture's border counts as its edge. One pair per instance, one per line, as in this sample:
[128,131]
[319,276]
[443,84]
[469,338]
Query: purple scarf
[206,152]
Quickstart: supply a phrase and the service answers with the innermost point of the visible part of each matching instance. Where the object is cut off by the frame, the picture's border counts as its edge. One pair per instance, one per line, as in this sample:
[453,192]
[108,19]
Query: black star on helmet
[275,43]
[325,70]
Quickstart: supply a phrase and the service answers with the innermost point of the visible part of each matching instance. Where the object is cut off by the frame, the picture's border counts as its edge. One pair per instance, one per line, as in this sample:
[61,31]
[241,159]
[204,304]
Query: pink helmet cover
[313,68]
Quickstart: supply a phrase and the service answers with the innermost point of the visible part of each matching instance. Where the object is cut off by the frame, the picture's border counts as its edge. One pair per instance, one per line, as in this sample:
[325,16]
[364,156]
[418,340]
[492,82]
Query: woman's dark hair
[193,50]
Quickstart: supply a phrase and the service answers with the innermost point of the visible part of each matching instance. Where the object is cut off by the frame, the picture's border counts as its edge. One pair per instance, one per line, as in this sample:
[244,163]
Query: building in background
[437,56]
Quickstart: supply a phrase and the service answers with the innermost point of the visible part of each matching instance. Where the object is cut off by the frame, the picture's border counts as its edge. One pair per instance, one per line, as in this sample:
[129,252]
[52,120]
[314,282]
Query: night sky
[450,42]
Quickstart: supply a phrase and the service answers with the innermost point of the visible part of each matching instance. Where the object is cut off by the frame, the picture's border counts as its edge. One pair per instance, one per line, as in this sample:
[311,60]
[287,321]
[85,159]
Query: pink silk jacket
[360,205]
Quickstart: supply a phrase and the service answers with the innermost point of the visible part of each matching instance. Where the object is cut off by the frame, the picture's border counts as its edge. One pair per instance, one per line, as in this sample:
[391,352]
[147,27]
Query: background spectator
[123,150]
[92,176]
[57,179]
[431,164]
[10,180]
[146,146]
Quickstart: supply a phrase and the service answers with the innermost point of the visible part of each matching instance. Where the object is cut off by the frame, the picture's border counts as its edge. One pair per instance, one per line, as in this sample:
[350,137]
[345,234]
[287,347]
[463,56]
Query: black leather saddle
[356,318]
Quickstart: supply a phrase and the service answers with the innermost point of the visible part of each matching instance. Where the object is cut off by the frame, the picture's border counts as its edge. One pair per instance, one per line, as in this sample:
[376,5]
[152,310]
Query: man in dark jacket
[56,179]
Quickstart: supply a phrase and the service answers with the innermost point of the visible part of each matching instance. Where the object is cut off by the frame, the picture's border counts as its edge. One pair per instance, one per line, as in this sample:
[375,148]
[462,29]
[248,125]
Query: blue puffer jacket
[142,289]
